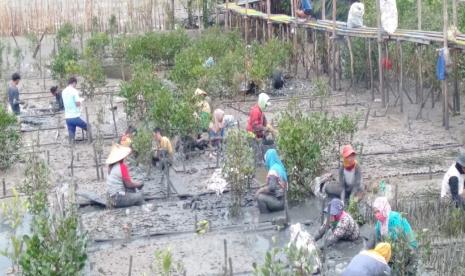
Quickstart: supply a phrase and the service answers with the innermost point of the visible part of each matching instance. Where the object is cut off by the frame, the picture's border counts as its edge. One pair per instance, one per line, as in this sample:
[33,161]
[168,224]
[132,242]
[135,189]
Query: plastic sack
[355,18]
[389,19]
[302,240]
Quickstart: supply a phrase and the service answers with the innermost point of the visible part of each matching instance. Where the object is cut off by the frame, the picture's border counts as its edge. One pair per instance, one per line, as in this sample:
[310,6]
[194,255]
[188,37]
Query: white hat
[199,92]
[117,153]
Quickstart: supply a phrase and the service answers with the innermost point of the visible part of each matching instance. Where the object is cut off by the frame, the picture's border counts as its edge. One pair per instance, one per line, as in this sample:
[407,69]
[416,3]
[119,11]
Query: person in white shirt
[453,182]
[72,104]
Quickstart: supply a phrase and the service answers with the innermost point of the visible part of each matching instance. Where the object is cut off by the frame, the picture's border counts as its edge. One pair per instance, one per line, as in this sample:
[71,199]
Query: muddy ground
[412,154]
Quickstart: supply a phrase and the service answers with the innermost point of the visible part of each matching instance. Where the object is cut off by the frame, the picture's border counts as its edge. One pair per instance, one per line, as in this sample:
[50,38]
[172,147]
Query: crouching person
[271,197]
[370,262]
[341,225]
[162,148]
[122,190]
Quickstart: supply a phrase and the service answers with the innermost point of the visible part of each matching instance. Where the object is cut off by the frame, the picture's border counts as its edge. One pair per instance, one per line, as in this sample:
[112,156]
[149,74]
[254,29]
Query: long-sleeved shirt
[257,121]
[397,225]
[345,229]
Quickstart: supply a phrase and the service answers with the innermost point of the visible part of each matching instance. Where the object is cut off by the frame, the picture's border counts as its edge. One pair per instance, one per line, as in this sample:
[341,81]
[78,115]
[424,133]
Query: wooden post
[323,9]
[96,161]
[445,101]
[130,266]
[246,23]
[226,16]
[226,255]
[400,88]
[352,73]
[456,97]
[4,187]
[294,42]
[286,206]
[113,114]
[268,12]
[380,55]
[230,267]
[333,48]
[454,13]
[89,128]
[370,65]
[48,157]
[419,14]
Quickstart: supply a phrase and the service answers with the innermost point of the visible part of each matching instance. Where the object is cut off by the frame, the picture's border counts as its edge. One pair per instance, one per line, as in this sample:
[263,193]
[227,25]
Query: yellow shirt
[165,144]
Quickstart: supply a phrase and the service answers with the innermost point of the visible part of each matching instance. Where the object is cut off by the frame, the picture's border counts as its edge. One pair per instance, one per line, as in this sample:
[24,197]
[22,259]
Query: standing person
[341,224]
[271,197]
[57,94]
[371,262]
[257,123]
[72,103]
[453,182]
[204,107]
[13,94]
[305,9]
[216,129]
[162,147]
[390,224]
[350,178]
[128,135]
[121,189]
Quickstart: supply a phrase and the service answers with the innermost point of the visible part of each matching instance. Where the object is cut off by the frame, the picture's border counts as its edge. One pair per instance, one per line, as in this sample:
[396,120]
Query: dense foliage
[55,247]
[238,167]
[10,139]
[307,142]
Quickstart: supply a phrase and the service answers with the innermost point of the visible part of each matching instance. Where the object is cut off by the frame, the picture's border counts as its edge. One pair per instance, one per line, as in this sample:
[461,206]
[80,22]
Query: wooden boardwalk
[416,36]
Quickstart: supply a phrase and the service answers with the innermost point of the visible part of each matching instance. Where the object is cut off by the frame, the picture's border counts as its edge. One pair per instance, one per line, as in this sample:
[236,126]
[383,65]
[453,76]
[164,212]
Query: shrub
[305,143]
[10,139]
[96,44]
[157,47]
[238,166]
[65,64]
[142,145]
[266,58]
[64,35]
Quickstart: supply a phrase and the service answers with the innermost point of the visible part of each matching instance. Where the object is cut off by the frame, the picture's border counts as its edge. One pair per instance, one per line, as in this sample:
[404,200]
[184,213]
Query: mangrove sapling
[13,212]
[55,246]
[286,261]
[165,265]
[142,146]
[238,167]
[10,139]
[306,144]
[404,259]
[322,90]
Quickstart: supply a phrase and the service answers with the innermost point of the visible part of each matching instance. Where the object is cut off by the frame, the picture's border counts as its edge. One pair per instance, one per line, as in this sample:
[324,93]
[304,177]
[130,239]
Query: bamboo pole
[268,12]
[246,23]
[380,55]
[226,16]
[456,97]
[445,105]
[401,75]
[352,73]
[333,48]
[323,9]
[370,65]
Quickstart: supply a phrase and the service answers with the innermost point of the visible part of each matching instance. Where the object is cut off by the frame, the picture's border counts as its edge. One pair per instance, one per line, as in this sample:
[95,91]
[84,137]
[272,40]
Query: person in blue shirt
[270,198]
[305,9]
[72,104]
[391,224]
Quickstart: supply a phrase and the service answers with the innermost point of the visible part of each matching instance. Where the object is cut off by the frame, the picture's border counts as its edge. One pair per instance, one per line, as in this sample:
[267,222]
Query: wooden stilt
[401,75]
[370,65]
[380,55]
[352,73]
[445,98]
[268,12]
[456,97]
[333,48]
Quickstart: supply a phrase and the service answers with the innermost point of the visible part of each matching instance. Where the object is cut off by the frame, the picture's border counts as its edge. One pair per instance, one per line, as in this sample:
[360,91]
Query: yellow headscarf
[384,250]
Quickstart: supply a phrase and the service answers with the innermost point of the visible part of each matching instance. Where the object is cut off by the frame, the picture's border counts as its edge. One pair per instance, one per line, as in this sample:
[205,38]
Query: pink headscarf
[218,116]
[382,205]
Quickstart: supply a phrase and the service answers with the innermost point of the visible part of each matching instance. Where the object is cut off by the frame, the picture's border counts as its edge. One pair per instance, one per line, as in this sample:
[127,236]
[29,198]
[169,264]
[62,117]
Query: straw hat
[200,92]
[117,153]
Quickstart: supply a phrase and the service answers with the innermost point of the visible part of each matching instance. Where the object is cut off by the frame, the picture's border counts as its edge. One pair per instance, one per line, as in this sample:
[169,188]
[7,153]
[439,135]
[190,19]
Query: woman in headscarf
[257,123]
[391,224]
[341,224]
[271,197]
[350,178]
[216,132]
[370,262]
[121,189]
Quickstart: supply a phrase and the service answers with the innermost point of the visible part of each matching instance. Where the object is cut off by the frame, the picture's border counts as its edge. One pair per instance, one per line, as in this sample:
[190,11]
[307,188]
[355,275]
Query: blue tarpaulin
[441,66]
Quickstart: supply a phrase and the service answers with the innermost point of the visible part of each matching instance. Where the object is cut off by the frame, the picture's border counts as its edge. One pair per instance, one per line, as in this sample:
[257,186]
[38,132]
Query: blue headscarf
[273,163]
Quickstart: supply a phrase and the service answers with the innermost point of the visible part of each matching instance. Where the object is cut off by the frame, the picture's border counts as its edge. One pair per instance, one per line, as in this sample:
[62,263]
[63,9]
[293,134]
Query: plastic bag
[355,18]
[389,20]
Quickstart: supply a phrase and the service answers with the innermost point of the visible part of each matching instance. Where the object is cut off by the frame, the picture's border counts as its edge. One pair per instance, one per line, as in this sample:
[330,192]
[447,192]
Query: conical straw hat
[117,153]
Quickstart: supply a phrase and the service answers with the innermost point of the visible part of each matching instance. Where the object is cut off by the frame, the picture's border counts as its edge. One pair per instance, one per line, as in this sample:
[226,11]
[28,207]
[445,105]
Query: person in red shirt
[257,123]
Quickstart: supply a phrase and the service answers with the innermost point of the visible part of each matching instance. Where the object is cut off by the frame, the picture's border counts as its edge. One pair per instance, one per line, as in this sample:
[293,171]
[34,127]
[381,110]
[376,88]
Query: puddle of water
[23,229]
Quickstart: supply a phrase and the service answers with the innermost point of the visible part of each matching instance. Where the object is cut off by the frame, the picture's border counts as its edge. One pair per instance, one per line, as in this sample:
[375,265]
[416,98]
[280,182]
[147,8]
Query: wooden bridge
[253,17]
